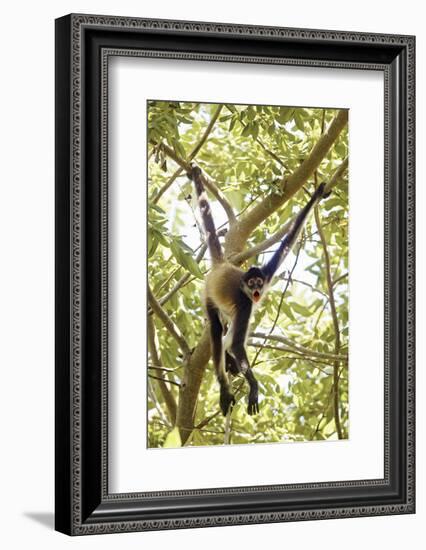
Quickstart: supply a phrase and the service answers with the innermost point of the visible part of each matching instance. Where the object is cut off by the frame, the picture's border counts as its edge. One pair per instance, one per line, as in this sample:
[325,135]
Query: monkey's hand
[321,191]
[226,400]
[253,405]
[194,172]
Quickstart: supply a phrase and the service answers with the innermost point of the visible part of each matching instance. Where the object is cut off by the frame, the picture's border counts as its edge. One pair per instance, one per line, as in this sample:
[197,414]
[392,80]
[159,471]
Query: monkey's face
[253,284]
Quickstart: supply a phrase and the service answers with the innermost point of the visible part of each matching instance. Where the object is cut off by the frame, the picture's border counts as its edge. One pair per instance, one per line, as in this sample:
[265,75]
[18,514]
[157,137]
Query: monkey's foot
[253,405]
[226,400]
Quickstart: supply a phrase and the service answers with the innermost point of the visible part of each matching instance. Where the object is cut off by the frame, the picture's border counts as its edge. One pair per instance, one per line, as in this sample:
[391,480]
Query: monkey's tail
[209,227]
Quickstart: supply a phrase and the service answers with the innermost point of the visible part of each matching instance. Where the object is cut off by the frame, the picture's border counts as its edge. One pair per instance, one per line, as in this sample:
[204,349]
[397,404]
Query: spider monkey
[231,295]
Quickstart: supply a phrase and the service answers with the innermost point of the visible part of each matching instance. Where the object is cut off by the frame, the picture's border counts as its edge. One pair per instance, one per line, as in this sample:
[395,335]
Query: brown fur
[222,287]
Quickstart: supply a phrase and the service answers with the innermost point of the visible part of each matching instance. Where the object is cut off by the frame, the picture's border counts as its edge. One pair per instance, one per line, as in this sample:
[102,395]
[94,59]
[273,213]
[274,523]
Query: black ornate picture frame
[84,505]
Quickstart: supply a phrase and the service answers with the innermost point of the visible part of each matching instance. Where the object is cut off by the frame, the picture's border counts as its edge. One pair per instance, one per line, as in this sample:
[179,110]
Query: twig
[212,187]
[228,422]
[268,151]
[336,405]
[157,405]
[168,323]
[191,156]
[337,175]
[207,420]
[168,396]
[184,279]
[280,304]
[291,346]
[298,281]
[340,278]
[164,369]
[164,380]
[282,349]
[238,259]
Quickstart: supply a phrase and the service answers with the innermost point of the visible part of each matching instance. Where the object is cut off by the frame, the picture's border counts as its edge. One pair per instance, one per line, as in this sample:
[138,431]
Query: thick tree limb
[237,236]
[240,258]
[168,396]
[191,156]
[190,385]
[168,323]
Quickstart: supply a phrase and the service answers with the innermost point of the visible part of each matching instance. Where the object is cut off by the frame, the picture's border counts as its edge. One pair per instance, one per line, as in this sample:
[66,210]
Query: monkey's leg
[238,350]
[216,331]
[230,364]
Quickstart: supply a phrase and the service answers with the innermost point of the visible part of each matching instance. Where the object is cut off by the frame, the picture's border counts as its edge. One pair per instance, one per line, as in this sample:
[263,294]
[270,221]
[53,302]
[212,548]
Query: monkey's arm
[271,267]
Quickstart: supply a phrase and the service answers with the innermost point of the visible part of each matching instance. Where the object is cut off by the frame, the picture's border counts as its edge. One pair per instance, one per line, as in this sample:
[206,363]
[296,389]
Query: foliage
[248,152]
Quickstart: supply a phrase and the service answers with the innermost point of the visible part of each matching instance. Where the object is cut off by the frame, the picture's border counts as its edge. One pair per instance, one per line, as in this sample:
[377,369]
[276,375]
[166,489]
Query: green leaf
[299,121]
[232,123]
[285,307]
[255,130]
[178,147]
[302,310]
[185,259]
[246,131]
[251,114]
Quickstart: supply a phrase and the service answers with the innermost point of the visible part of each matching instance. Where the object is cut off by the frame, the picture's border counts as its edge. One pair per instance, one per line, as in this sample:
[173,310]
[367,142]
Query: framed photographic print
[234,274]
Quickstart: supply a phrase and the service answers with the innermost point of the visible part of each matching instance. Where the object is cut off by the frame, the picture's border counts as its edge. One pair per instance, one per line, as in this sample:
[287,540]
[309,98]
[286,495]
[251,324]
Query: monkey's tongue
[256,296]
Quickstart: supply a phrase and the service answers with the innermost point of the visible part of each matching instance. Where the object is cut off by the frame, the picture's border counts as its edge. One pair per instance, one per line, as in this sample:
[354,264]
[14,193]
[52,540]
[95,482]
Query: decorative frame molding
[84,44]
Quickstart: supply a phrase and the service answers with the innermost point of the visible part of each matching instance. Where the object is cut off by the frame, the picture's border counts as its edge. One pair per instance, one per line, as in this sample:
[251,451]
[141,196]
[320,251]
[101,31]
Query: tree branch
[168,323]
[284,350]
[184,279]
[157,405]
[240,258]
[337,175]
[210,186]
[274,324]
[297,348]
[238,235]
[164,380]
[340,278]
[190,385]
[168,396]
[336,405]
[304,283]
[191,156]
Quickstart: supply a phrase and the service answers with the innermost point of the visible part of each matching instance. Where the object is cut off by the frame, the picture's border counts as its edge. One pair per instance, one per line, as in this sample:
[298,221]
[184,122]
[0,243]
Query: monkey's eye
[250,282]
[259,281]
